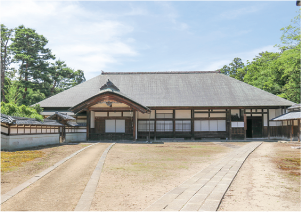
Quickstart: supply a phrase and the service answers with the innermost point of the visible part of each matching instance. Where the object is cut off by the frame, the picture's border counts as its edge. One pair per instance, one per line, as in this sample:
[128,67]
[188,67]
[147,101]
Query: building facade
[183,105]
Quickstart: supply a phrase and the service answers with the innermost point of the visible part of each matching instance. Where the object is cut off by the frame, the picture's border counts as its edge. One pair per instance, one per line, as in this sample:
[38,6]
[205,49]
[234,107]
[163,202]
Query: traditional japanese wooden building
[190,105]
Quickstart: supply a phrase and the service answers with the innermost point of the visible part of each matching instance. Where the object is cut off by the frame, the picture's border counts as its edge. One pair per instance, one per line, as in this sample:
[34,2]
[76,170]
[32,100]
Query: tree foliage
[275,72]
[5,56]
[235,69]
[35,74]
[12,109]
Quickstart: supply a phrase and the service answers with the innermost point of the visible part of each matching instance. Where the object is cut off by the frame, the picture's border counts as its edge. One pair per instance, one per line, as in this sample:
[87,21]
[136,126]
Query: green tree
[263,73]
[289,62]
[6,35]
[13,109]
[29,51]
[291,34]
[235,69]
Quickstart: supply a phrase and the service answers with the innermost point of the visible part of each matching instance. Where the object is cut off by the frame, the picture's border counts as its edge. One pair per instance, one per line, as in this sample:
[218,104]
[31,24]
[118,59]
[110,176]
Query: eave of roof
[288,116]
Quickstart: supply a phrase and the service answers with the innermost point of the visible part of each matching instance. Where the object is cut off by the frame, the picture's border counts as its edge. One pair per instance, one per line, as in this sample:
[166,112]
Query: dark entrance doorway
[254,127]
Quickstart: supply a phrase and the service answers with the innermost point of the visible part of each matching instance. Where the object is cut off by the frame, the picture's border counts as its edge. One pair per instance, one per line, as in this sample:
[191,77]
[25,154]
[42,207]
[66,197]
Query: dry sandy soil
[61,189]
[52,154]
[265,182]
[135,176]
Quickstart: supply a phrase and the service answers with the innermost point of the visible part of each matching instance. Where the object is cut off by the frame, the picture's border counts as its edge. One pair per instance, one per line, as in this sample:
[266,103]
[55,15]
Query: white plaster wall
[4,142]
[75,137]
[25,141]
[146,115]
[4,129]
[101,114]
[218,115]
[183,114]
[200,115]
[164,111]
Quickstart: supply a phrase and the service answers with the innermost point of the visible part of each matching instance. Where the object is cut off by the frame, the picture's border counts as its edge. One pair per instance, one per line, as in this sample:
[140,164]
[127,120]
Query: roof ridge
[161,72]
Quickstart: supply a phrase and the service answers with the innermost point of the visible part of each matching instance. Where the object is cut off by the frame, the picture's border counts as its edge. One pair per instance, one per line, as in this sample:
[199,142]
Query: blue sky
[152,36]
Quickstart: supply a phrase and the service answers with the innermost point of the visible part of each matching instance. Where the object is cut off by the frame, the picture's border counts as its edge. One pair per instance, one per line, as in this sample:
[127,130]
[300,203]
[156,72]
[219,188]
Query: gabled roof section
[63,116]
[171,89]
[106,95]
[109,85]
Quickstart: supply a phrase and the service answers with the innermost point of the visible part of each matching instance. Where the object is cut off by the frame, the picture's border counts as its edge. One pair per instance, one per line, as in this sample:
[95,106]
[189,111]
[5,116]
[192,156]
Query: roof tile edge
[163,72]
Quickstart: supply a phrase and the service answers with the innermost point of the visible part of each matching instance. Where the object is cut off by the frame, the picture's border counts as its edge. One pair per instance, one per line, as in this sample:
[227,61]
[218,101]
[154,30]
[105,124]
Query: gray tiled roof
[200,89]
[288,116]
[64,116]
[27,121]
[295,107]
[7,119]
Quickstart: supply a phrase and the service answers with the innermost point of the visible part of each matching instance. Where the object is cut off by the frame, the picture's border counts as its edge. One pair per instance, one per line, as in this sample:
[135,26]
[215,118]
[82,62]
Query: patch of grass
[13,160]
[288,160]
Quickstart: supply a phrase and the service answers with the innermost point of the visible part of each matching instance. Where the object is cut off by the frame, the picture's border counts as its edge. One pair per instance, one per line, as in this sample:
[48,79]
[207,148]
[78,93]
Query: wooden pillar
[268,124]
[292,129]
[245,126]
[134,125]
[192,124]
[88,125]
[174,123]
[230,127]
[298,130]
[155,126]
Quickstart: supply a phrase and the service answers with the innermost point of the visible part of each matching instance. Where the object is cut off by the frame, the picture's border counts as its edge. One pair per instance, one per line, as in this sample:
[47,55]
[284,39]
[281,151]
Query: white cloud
[83,39]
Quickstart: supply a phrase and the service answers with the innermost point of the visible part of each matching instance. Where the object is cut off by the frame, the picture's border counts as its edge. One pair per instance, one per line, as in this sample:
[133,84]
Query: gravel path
[61,189]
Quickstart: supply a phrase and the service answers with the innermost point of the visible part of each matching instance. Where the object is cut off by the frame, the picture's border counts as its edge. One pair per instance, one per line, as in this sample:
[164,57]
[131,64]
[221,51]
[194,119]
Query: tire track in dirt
[61,189]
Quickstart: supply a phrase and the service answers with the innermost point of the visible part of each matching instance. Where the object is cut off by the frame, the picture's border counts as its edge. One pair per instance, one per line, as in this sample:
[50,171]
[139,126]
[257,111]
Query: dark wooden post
[134,125]
[245,126]
[230,126]
[88,125]
[298,130]
[292,129]
[192,124]
[268,124]
[174,123]
[155,126]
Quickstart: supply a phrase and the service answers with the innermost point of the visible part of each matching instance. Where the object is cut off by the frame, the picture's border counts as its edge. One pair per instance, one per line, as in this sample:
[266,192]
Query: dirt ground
[61,189]
[52,154]
[264,183]
[135,176]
